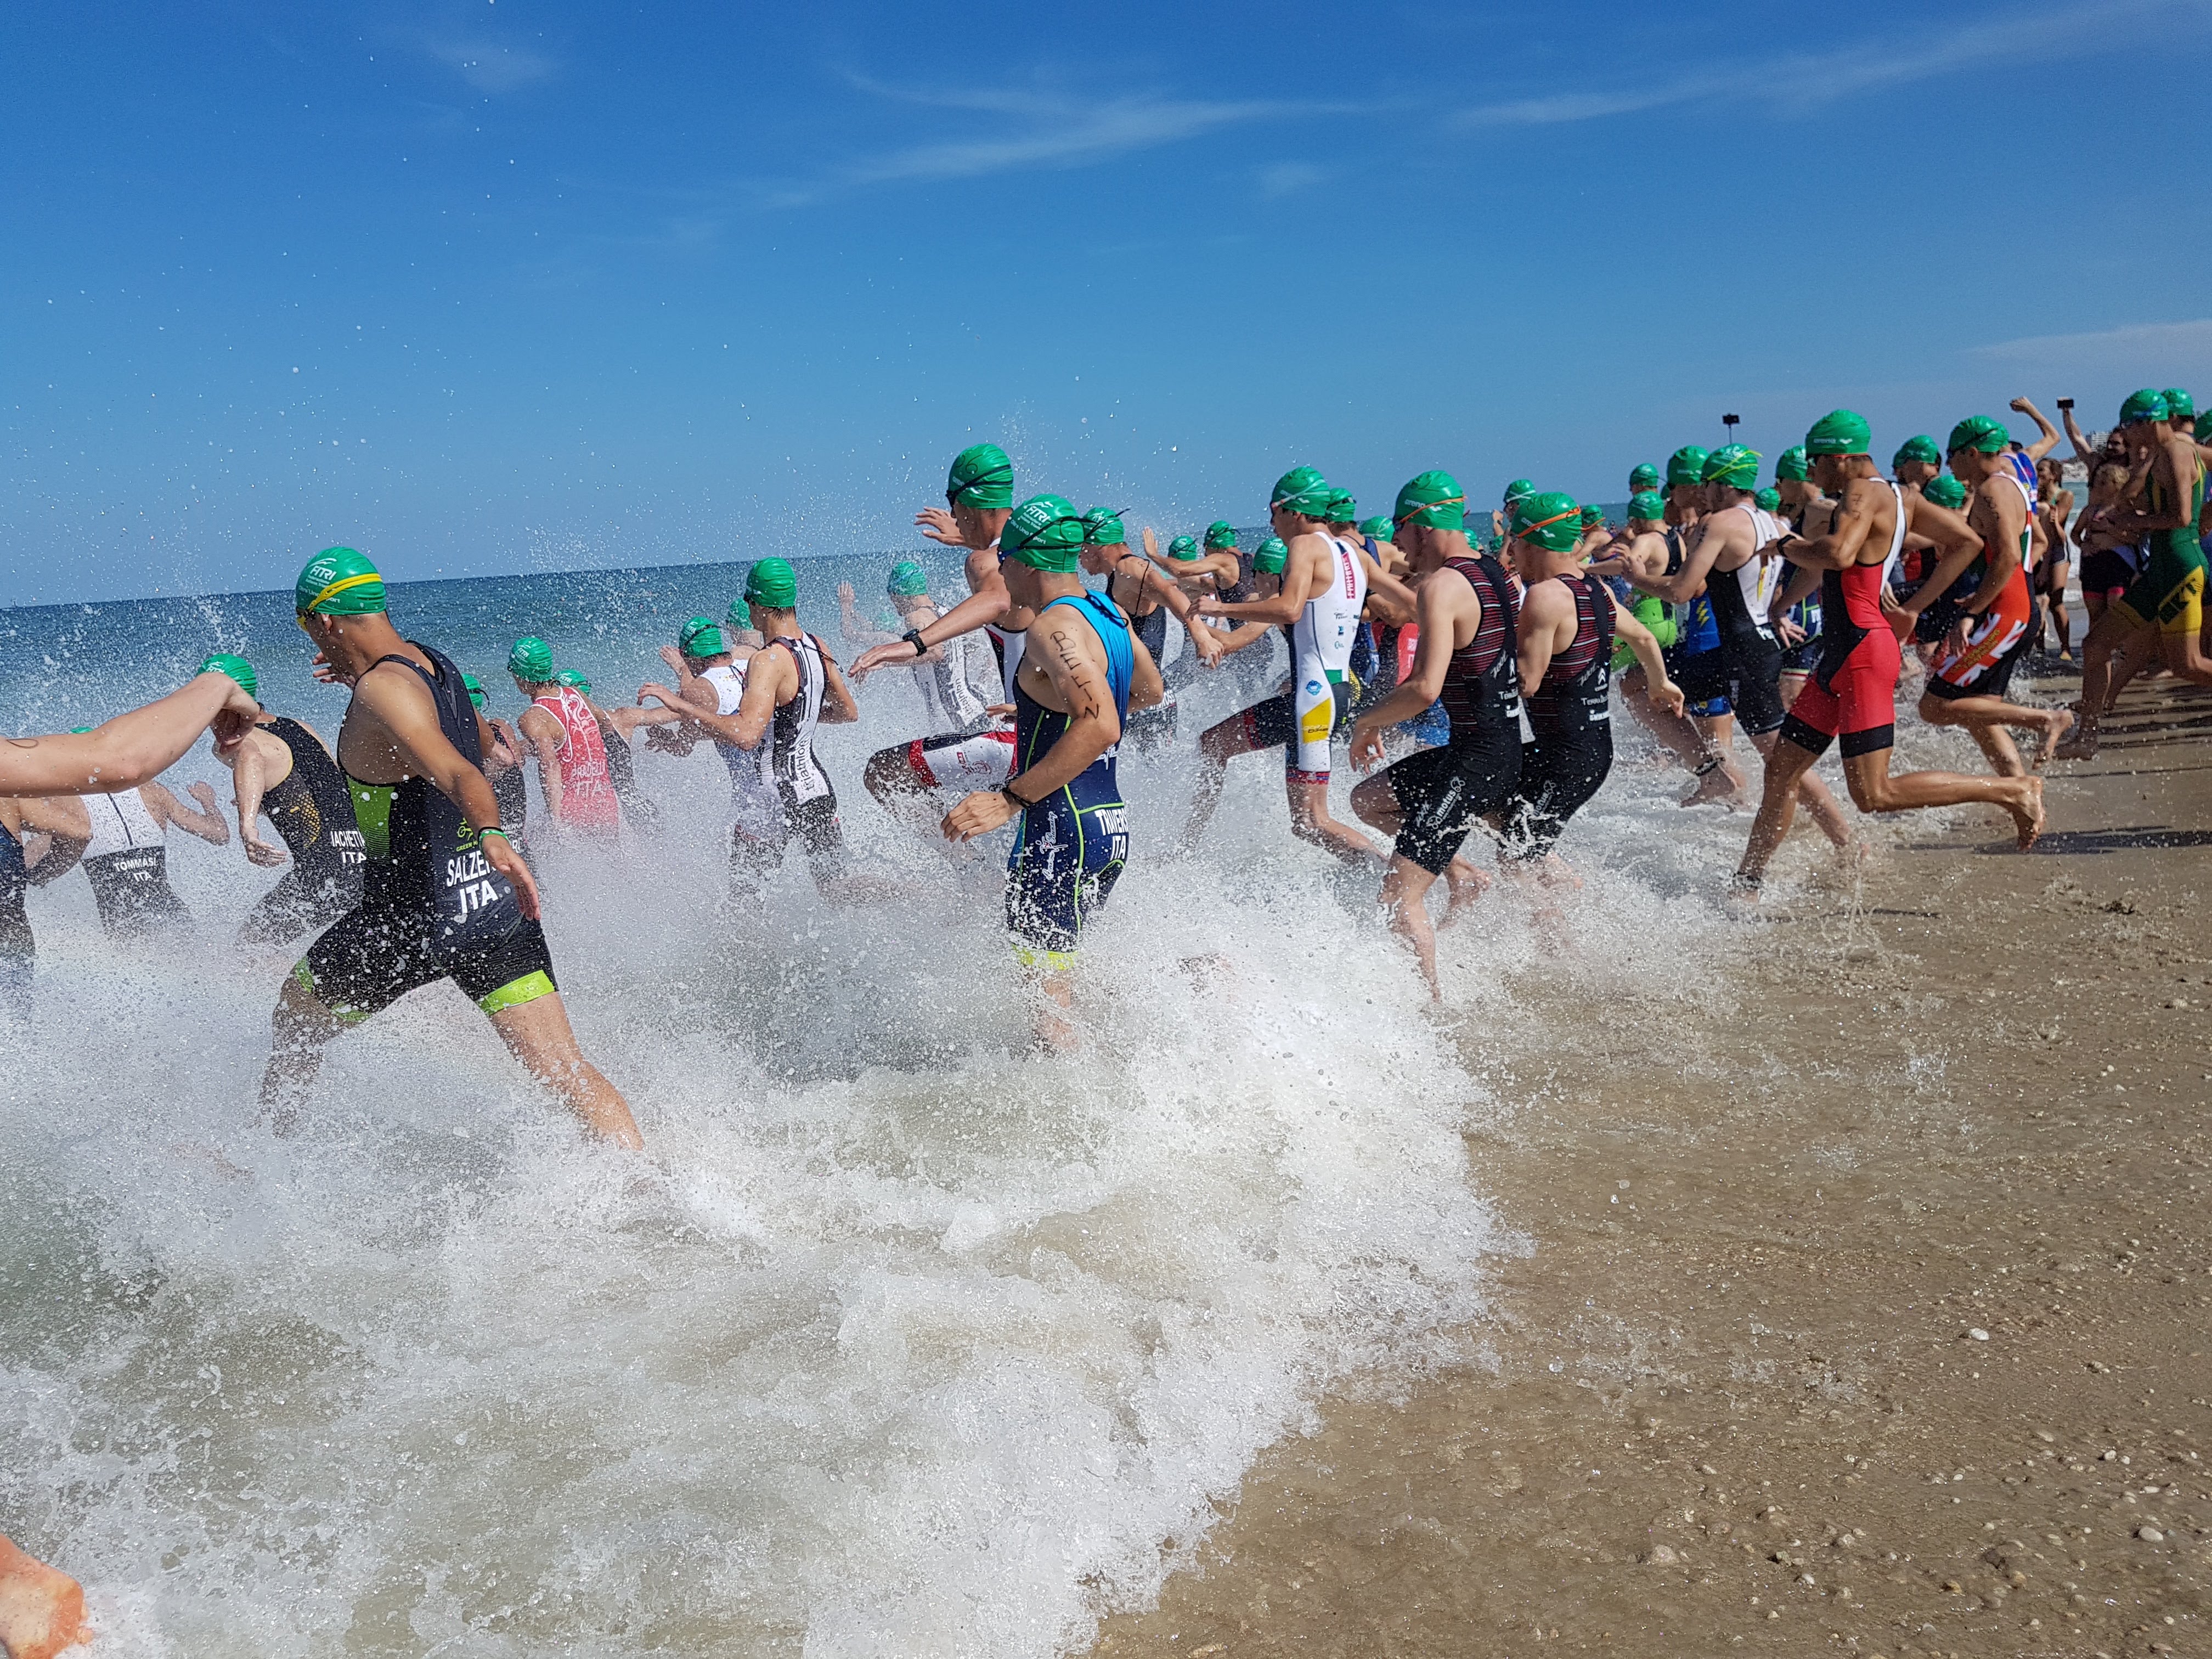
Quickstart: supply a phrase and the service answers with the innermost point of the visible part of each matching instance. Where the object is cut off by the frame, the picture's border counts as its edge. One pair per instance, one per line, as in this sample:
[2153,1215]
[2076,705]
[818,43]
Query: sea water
[896,1340]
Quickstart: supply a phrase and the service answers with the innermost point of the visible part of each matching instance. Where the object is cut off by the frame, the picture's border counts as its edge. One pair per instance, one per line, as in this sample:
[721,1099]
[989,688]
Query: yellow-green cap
[338,582]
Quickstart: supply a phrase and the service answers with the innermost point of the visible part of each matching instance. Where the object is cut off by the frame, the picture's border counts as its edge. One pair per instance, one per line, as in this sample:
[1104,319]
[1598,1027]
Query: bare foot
[2081,744]
[2055,725]
[41,1607]
[2028,817]
[1720,786]
[1463,884]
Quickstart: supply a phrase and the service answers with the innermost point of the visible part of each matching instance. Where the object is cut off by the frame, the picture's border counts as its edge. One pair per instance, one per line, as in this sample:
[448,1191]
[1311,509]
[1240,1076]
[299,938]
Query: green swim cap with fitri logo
[531,661]
[1045,533]
[1103,527]
[772,585]
[1642,478]
[1271,557]
[1945,490]
[906,580]
[1983,434]
[1221,537]
[1736,465]
[1184,548]
[1791,464]
[2149,404]
[1685,465]
[702,636]
[1433,500]
[574,681]
[1649,506]
[1841,432]
[338,582]
[1303,491]
[982,477]
[1550,519]
[237,667]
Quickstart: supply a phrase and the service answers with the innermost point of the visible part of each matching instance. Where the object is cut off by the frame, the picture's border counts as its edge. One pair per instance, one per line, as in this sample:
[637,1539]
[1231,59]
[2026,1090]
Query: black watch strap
[913,637]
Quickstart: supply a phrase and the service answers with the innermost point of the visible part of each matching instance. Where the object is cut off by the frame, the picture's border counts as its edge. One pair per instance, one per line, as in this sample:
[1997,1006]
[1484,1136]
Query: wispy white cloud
[1799,83]
[1289,177]
[2157,342]
[1036,131]
[489,67]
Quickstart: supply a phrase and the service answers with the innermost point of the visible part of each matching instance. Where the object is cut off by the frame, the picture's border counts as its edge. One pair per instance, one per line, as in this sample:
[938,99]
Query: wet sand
[1865,1309]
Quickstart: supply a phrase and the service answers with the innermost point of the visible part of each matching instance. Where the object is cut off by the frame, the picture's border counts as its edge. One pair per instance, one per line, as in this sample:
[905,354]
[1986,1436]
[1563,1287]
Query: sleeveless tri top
[1482,684]
[1037,728]
[1322,638]
[755,806]
[1574,698]
[799,777]
[312,809]
[127,864]
[587,789]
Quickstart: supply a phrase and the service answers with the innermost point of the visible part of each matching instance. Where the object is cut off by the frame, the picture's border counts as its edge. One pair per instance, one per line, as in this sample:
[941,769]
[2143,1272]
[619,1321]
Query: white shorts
[984,760]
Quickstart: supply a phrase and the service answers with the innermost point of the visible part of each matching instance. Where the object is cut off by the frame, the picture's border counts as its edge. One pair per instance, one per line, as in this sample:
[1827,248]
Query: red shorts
[1855,700]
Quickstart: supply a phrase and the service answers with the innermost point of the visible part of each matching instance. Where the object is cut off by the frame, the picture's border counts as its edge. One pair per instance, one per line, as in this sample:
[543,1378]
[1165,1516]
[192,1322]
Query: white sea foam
[896,1341]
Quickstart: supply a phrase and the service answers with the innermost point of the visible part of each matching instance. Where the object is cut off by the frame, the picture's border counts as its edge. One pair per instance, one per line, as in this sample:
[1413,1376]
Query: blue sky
[507,285]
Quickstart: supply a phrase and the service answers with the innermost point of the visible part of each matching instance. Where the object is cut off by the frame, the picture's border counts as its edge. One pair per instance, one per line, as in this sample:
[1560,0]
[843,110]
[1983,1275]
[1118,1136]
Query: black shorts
[1443,791]
[376,953]
[1800,658]
[814,824]
[302,901]
[2107,572]
[1747,671]
[1556,781]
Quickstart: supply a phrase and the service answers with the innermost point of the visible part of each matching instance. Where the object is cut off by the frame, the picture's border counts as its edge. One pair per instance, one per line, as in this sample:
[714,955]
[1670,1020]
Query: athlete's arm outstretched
[1714,536]
[2049,442]
[1203,640]
[132,748]
[207,822]
[1305,575]
[766,681]
[986,602]
[1223,568]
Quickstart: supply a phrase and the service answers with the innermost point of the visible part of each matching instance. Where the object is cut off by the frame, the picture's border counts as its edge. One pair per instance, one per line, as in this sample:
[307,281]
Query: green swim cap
[2149,404]
[1342,509]
[1945,490]
[1102,527]
[475,689]
[1268,561]
[1642,478]
[1182,547]
[338,582]
[1736,465]
[1593,515]
[1303,491]
[1551,520]
[1220,536]
[1685,465]
[1842,432]
[907,580]
[1519,488]
[1922,449]
[237,667]
[1045,533]
[531,660]
[1792,464]
[1648,505]
[772,585]
[1381,527]
[2180,405]
[1435,499]
[1987,435]
[699,637]
[574,682]
[981,475]
[1766,501]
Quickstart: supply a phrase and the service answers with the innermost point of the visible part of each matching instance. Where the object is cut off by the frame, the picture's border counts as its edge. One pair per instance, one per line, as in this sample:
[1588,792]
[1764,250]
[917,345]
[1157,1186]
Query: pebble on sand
[41,1607]
[2150,1535]
[1978,1334]
[1661,1556]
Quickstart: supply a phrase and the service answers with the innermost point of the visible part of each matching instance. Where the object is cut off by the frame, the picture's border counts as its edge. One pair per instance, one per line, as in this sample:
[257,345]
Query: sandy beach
[1863,1307]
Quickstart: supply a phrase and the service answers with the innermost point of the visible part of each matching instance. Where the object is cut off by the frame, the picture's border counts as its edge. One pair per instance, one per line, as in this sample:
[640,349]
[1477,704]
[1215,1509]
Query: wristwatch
[913,637]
